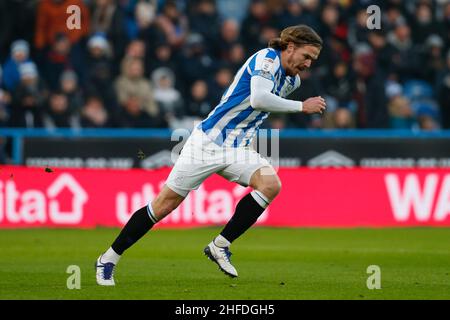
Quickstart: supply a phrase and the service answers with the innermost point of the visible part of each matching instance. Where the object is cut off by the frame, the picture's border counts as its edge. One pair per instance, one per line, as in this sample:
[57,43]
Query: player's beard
[298,69]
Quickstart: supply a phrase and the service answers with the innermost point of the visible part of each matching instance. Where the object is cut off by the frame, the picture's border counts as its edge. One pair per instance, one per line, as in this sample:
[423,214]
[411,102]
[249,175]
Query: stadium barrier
[152,148]
[310,197]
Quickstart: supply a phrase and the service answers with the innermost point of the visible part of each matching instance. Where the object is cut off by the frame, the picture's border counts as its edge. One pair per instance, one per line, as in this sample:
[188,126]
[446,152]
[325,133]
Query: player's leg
[249,169]
[191,169]
[137,226]
[266,186]
[145,218]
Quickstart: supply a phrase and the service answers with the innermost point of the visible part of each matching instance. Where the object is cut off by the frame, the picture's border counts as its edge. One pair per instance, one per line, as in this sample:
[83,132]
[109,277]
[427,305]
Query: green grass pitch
[272,264]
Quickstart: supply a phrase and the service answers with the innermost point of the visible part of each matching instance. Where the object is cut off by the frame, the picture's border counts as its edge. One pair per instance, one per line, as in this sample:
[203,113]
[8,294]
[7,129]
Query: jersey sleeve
[261,98]
[265,65]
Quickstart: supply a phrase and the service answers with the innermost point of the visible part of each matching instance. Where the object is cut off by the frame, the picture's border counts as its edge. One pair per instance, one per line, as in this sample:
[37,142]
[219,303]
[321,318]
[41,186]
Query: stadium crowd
[162,63]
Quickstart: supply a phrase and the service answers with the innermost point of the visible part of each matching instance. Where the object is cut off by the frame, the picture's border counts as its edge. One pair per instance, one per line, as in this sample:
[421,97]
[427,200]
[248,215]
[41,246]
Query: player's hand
[314,105]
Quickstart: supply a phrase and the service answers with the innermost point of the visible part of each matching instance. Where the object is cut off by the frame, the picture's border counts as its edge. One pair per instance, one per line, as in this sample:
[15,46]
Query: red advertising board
[84,198]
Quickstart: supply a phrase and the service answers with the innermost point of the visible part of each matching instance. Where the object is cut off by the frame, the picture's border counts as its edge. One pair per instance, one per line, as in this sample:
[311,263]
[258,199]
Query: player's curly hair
[300,35]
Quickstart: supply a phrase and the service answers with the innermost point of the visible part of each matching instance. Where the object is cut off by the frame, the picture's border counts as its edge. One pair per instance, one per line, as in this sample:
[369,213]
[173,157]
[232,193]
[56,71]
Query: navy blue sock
[138,225]
[246,214]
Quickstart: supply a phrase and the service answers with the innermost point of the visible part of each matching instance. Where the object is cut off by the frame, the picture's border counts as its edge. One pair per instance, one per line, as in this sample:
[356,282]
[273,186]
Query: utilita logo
[426,202]
[37,206]
[199,207]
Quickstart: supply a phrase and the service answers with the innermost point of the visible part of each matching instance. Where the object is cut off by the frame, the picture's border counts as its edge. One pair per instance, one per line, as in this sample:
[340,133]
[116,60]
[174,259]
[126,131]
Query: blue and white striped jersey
[234,122]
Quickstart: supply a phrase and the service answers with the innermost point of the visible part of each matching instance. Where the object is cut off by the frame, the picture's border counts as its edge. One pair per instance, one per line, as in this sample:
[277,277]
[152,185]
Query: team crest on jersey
[267,64]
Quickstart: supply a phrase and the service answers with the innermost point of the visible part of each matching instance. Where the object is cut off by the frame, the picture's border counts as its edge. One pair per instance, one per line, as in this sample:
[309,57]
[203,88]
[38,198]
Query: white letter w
[421,201]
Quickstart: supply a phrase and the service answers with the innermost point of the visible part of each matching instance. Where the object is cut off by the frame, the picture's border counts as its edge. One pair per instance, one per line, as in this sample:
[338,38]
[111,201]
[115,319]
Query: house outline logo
[331,158]
[157,160]
[79,198]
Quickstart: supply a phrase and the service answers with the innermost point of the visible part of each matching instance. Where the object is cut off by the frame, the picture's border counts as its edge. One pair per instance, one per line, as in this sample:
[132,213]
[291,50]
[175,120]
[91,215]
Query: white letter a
[74,20]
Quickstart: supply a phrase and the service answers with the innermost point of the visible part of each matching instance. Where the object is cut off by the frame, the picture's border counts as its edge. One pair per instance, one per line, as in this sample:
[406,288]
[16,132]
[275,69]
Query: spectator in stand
[340,118]
[222,79]
[329,21]
[58,114]
[339,84]
[369,91]
[200,40]
[195,61]
[294,14]
[199,104]
[137,49]
[311,10]
[20,51]
[109,18]
[343,119]
[277,121]
[28,98]
[433,58]
[423,23]
[5,99]
[168,98]
[94,115]
[99,50]
[336,49]
[51,20]
[237,57]
[57,60]
[141,18]
[148,32]
[205,20]
[268,32]
[232,9]
[445,27]
[132,114]
[174,24]
[100,80]
[147,27]
[68,85]
[443,93]
[358,31]
[228,37]
[257,19]
[391,15]
[384,51]
[406,58]
[17,21]
[401,114]
[131,86]
[162,56]
[310,87]
[427,120]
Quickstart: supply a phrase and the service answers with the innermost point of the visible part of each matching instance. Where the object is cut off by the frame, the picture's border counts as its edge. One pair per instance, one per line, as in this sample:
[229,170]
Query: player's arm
[262,98]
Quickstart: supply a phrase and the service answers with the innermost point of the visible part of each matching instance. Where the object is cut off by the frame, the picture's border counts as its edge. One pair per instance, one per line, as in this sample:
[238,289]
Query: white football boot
[105,272]
[221,256]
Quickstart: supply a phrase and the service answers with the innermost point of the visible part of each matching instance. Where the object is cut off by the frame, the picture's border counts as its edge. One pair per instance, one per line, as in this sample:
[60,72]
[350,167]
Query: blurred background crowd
[165,63]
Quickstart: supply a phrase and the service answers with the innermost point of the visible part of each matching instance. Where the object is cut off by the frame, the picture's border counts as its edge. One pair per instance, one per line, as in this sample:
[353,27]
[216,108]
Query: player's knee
[165,202]
[271,187]
[164,208]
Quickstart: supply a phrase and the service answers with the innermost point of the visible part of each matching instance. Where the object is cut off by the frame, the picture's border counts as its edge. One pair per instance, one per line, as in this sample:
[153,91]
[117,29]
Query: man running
[221,144]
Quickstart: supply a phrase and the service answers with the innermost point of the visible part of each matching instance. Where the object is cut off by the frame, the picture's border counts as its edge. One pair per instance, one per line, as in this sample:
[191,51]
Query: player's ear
[291,46]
